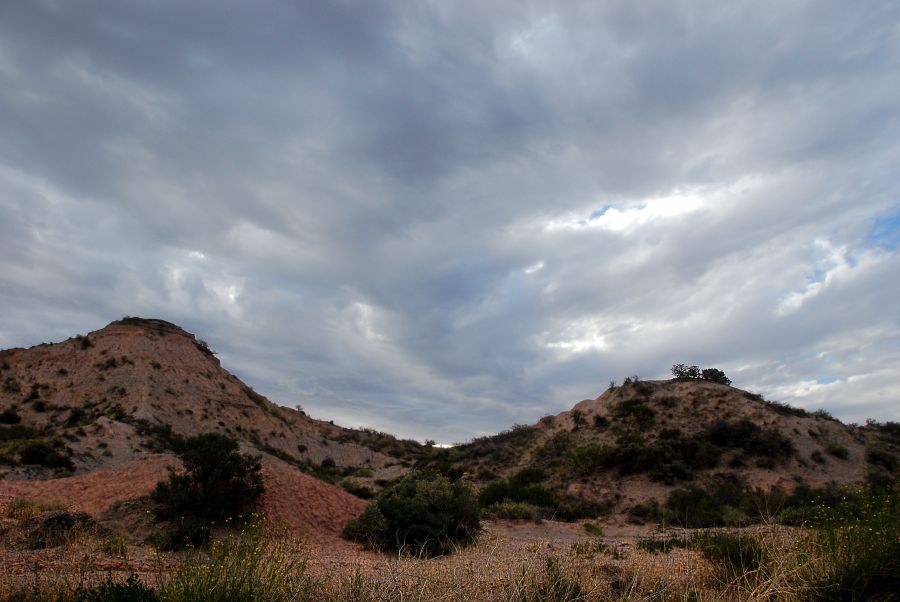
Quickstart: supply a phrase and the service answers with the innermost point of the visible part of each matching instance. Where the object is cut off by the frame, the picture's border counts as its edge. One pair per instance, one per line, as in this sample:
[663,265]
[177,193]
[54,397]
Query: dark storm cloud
[441,219]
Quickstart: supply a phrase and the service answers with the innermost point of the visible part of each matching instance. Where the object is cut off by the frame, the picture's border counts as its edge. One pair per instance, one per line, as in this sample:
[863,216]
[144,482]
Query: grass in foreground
[852,555]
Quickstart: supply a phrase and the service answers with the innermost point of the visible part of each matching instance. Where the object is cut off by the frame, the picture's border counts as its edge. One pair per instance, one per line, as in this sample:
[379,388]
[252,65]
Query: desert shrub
[131,590]
[11,385]
[424,513]
[571,508]
[514,511]
[714,506]
[668,460]
[42,453]
[837,450]
[656,545]
[879,455]
[217,483]
[554,448]
[521,487]
[735,554]
[750,437]
[356,488]
[588,459]
[860,545]
[783,408]
[636,409]
[16,433]
[593,529]
[685,371]
[648,511]
[10,416]
[715,375]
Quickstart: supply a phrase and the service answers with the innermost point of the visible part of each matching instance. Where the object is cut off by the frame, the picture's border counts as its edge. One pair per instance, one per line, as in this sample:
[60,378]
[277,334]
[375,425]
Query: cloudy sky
[443,218]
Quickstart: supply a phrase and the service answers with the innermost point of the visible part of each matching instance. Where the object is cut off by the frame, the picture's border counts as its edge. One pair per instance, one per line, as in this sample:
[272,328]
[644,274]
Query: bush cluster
[424,514]
[694,372]
[675,458]
[524,488]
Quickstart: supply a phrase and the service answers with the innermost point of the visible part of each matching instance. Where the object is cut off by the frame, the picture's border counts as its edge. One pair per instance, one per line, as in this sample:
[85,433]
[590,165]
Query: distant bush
[715,375]
[735,554]
[424,513]
[131,590]
[636,409]
[782,408]
[516,490]
[514,511]
[837,450]
[685,371]
[42,453]
[217,483]
[10,416]
[746,435]
[656,545]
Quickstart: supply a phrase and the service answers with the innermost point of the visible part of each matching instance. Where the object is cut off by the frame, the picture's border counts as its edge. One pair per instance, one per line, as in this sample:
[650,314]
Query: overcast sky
[442,218]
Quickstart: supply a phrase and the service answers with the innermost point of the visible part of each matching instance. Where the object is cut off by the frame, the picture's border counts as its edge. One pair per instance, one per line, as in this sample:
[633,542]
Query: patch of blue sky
[598,213]
[828,379]
[885,232]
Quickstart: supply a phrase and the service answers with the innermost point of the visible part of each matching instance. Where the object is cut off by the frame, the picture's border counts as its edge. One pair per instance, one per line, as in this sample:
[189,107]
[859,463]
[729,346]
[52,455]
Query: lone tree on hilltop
[685,371]
[713,375]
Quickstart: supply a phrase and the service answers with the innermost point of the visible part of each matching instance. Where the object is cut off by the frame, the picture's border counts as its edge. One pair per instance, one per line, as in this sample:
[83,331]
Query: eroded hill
[131,389]
[630,448]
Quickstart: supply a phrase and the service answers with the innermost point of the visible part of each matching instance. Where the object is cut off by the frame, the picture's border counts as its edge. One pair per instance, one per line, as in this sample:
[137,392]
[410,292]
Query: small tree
[685,371]
[715,375]
[218,483]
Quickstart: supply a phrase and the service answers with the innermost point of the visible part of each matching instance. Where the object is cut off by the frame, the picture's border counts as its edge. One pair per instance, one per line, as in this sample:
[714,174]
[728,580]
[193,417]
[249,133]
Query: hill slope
[94,419]
[640,441]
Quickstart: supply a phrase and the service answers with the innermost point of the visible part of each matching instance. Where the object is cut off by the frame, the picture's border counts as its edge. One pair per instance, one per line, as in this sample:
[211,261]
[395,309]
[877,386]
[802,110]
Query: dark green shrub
[837,450]
[10,416]
[655,545]
[637,410]
[514,511]
[131,590]
[715,375]
[571,508]
[745,435]
[424,513]
[43,454]
[216,484]
[695,507]
[879,455]
[782,408]
[685,371]
[735,554]
[18,432]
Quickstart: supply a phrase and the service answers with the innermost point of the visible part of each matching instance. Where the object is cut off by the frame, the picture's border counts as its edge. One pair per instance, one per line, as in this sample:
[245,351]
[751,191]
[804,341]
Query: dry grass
[269,564]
